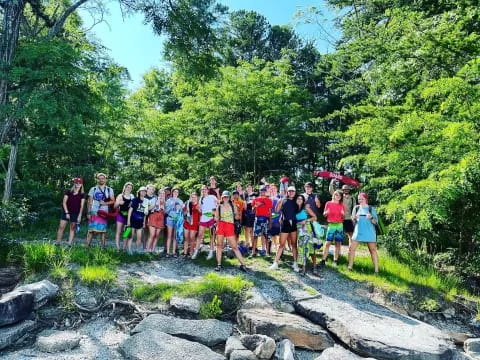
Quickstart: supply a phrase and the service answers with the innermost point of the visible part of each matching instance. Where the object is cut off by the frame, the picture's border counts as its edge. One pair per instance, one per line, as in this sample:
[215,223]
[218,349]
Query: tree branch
[57,27]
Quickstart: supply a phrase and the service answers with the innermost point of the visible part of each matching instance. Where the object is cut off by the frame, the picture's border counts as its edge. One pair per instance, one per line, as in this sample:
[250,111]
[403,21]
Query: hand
[79,219]
[67,216]
[369,216]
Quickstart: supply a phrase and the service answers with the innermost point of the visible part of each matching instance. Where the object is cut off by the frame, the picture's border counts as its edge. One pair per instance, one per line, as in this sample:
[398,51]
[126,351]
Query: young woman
[225,215]
[288,228]
[334,212]
[173,209]
[191,223]
[365,218]
[274,231]
[208,204]
[136,218]
[72,208]
[305,216]
[122,203]
[240,205]
[249,216]
[156,219]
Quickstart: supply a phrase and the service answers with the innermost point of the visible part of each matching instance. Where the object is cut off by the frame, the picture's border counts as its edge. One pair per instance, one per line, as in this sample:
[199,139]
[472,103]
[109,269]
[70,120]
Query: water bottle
[77,228]
[127,232]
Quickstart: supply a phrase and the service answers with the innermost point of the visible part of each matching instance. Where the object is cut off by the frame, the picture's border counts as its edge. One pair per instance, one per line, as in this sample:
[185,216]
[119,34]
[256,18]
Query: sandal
[167,255]
[218,268]
[315,271]
[175,255]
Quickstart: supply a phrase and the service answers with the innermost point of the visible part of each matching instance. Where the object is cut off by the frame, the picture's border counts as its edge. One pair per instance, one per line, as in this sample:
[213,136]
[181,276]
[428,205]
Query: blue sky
[134,45]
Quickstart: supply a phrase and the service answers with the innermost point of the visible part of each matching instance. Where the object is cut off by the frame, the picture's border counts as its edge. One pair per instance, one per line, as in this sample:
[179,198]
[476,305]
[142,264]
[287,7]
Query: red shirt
[335,214]
[263,206]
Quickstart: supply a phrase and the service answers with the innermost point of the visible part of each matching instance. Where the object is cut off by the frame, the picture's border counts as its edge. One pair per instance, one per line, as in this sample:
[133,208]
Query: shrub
[211,310]
[40,257]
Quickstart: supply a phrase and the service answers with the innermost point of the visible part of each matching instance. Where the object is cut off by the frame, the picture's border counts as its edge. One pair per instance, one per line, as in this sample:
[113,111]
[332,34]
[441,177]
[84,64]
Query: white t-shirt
[208,205]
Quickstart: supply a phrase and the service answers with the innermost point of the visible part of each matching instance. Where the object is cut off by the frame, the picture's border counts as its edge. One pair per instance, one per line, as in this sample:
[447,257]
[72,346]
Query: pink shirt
[335,214]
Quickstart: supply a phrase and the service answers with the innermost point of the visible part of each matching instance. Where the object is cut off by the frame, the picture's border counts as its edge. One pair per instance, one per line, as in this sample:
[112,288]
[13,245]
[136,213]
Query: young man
[262,207]
[350,203]
[100,197]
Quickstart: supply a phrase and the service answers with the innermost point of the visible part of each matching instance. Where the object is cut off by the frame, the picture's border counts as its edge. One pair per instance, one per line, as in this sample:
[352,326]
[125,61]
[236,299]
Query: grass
[229,291]
[97,275]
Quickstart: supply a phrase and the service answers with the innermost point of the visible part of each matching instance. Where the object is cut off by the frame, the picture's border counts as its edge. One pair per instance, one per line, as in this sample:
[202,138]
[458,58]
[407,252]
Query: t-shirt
[173,206]
[74,201]
[151,202]
[311,201]
[335,214]
[275,215]
[350,204]
[263,206]
[208,205]
[138,206]
[240,205]
[98,194]
[289,209]
[249,199]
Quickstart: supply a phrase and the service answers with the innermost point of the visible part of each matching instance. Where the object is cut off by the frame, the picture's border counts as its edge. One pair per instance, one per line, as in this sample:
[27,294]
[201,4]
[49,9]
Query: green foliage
[211,310]
[41,257]
[429,305]
[15,215]
[152,293]
[97,275]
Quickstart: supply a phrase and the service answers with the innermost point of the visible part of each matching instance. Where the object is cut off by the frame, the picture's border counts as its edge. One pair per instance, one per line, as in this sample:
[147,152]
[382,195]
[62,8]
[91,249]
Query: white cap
[291,188]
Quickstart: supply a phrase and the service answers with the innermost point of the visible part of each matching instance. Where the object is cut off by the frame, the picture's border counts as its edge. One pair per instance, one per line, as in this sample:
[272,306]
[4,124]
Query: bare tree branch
[57,27]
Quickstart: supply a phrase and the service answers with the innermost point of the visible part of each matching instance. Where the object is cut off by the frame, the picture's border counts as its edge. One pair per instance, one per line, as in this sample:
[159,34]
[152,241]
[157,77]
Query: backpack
[108,190]
[379,227]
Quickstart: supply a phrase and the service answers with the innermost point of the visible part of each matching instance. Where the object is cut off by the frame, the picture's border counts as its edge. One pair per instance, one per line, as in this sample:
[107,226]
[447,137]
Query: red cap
[78,180]
[284,179]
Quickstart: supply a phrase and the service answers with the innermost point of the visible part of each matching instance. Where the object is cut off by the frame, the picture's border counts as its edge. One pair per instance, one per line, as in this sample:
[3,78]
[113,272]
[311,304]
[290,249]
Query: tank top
[226,216]
[126,203]
[302,215]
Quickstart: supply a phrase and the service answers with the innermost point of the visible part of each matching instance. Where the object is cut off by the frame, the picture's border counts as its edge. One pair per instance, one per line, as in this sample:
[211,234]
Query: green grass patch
[230,292]
[97,275]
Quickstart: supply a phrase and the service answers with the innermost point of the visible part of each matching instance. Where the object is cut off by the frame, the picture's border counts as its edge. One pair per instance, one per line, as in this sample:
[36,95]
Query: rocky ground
[287,317]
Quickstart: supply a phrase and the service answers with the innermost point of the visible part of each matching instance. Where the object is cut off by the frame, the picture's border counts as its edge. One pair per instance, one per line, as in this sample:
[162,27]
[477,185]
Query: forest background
[396,105]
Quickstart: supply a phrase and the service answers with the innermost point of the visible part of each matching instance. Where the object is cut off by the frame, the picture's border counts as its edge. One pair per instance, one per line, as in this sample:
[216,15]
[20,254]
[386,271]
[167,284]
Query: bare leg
[292,240]
[248,236]
[351,254]
[281,246]
[254,245]
[212,238]
[174,240]
[219,249]
[118,234]
[71,235]
[201,234]
[155,238]
[151,236]
[325,250]
[61,229]
[89,238]
[139,234]
[233,245]
[338,247]
[169,238]
[373,253]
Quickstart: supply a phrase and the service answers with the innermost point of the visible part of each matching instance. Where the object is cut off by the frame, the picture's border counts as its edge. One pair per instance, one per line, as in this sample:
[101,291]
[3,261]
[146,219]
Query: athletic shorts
[274,230]
[288,226]
[170,221]
[121,219]
[207,224]
[225,229]
[335,232]
[260,226]
[136,223]
[348,226]
[248,219]
[73,217]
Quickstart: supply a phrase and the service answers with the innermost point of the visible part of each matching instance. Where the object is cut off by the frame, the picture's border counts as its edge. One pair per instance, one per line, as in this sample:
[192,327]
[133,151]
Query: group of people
[281,218]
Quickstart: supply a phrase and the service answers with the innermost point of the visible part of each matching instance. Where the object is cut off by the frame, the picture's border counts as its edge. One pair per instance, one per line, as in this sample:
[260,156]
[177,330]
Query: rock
[458,337]
[50,313]
[152,344]
[55,341]
[209,332]
[339,353]
[472,347]
[372,330]
[285,307]
[15,306]
[418,315]
[42,292]
[262,346]
[185,304]
[242,355]
[85,297]
[10,334]
[301,332]
[449,313]
[256,300]
[233,343]
[285,350]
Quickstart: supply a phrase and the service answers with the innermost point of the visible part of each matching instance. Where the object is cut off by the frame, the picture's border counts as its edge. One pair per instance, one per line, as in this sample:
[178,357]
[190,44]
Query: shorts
[207,224]
[73,217]
[156,220]
[121,219]
[226,229]
[171,221]
[335,232]
[191,227]
[136,223]
[248,219]
[274,230]
[260,227]
[348,226]
[288,226]
[238,227]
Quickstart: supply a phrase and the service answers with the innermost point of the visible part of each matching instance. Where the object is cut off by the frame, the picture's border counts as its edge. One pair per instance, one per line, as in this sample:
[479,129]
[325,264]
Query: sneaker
[335,264]
[210,255]
[243,268]
[274,266]
[195,254]
[295,267]
[218,268]
[322,263]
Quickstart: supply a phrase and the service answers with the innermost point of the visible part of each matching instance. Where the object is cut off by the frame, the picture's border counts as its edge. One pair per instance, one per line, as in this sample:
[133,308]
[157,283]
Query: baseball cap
[226,193]
[346,187]
[142,188]
[309,184]
[263,188]
[291,188]
[78,180]
[235,192]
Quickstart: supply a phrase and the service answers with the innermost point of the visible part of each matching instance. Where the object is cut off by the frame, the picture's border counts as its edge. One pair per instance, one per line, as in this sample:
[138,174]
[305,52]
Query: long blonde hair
[81,191]
[125,186]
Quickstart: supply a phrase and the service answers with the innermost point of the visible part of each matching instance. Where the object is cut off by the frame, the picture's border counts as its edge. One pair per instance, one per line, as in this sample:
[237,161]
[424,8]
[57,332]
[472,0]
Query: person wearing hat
[225,216]
[288,227]
[100,197]
[262,206]
[350,203]
[72,209]
[136,218]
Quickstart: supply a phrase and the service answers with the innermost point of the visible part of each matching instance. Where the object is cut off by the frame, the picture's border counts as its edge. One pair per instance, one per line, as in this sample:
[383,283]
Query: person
[174,211]
[241,193]
[334,212]
[156,217]
[136,218]
[225,215]
[240,205]
[262,206]
[208,204]
[168,193]
[314,203]
[100,197]
[305,215]
[274,231]
[288,227]
[214,186]
[249,216]
[72,209]
[365,217]
[191,223]
[350,203]
[122,203]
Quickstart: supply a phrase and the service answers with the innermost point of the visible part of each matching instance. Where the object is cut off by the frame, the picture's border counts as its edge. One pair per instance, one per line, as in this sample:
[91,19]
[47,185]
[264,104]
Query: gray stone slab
[10,334]
[15,306]
[42,292]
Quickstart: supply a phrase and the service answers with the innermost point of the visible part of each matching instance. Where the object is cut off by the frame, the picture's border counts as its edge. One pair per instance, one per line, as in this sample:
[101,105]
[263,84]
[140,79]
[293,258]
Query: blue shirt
[364,228]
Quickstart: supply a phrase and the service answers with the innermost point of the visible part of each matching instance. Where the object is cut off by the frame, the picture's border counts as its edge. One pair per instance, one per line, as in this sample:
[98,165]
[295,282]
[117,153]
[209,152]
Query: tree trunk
[12,161]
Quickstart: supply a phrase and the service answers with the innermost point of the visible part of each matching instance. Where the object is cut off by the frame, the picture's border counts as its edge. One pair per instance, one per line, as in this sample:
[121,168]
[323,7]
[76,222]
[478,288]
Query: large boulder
[372,330]
[262,346]
[285,350]
[152,344]
[15,306]
[55,341]
[10,334]
[339,353]
[301,332]
[42,292]
[188,305]
[472,348]
[209,332]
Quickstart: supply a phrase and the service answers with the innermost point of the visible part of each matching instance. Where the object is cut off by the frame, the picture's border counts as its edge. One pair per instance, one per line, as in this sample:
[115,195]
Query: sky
[134,45]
